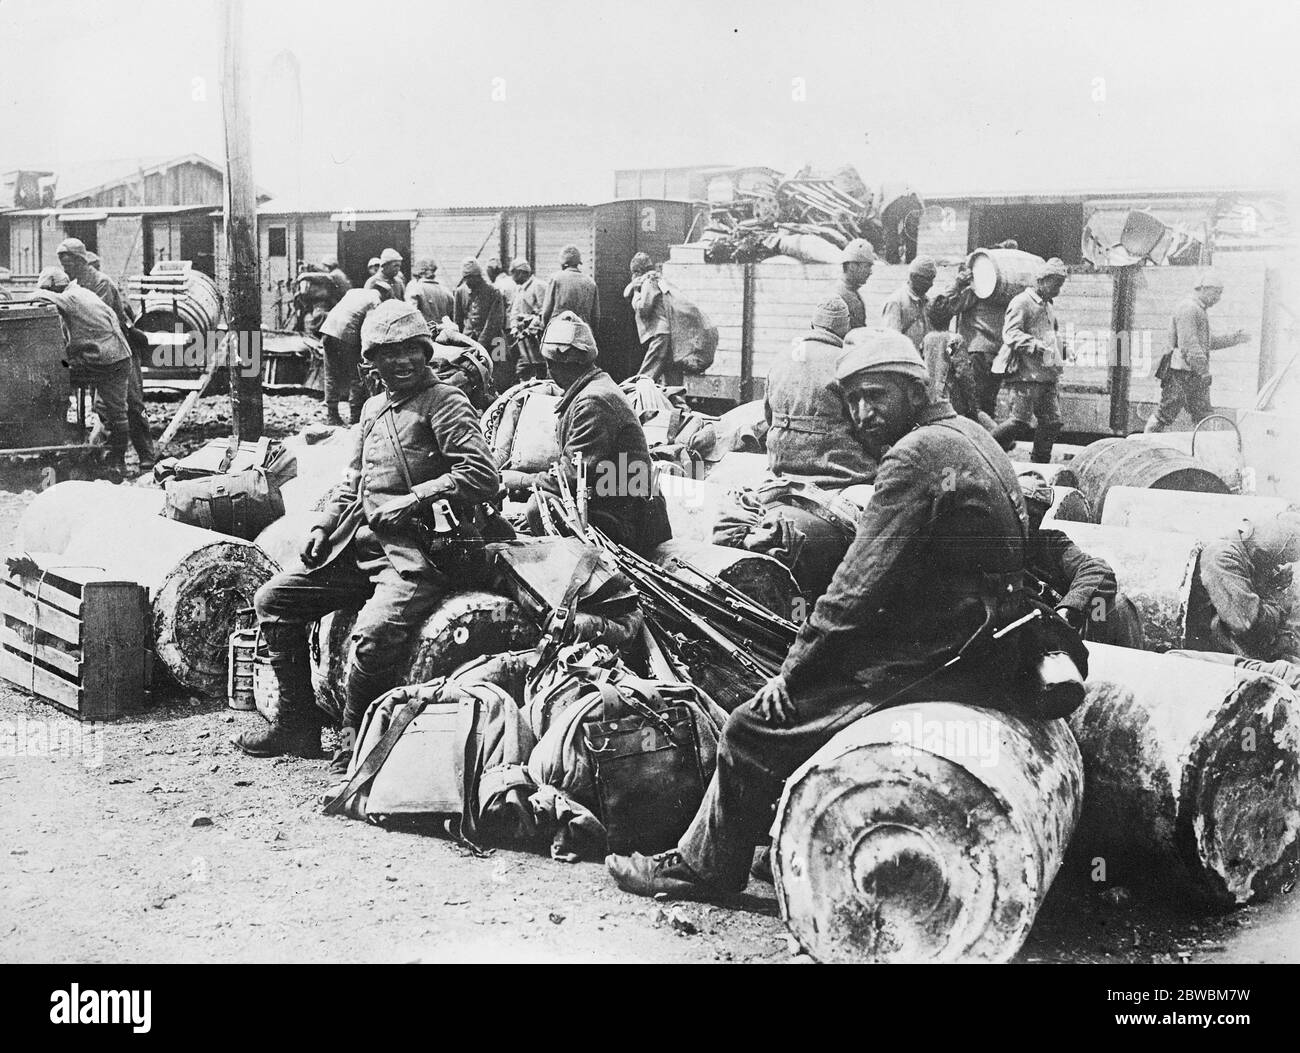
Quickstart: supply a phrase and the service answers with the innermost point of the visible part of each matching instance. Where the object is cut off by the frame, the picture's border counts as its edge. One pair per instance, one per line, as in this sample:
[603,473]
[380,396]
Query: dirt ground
[157,840]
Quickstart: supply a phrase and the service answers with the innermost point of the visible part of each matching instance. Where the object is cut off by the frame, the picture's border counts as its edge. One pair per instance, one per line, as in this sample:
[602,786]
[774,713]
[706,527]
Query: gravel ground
[159,841]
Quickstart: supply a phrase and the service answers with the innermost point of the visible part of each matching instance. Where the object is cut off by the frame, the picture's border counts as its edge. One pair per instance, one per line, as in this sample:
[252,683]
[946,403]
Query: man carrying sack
[419,450]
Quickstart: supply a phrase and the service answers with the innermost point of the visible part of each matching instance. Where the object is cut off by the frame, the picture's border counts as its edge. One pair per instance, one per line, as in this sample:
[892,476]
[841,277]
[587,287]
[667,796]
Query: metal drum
[1117,462]
[1000,274]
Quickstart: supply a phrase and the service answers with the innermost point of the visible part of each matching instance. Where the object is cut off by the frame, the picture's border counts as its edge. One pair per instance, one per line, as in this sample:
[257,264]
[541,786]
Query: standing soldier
[75,261]
[419,443]
[595,419]
[330,264]
[526,321]
[907,309]
[936,568]
[341,340]
[429,296]
[1034,354]
[1184,371]
[504,284]
[653,324]
[390,271]
[571,290]
[979,324]
[480,314]
[858,259]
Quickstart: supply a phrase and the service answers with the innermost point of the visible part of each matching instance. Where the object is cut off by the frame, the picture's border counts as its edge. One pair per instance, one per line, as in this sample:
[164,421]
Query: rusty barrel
[465,625]
[1220,451]
[1155,570]
[1193,775]
[762,578]
[198,582]
[926,833]
[1206,516]
[1118,462]
[49,522]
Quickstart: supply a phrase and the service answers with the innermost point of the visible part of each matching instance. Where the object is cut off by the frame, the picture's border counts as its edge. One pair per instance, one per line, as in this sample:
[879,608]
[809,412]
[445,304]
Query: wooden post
[242,292]
[747,336]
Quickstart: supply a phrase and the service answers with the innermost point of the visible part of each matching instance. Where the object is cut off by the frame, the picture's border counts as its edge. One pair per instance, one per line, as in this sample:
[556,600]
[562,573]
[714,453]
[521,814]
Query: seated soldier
[1247,578]
[419,442]
[595,420]
[1081,587]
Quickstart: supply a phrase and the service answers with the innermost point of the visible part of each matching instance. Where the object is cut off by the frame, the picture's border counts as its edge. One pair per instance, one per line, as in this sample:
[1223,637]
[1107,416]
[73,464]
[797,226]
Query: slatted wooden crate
[75,638]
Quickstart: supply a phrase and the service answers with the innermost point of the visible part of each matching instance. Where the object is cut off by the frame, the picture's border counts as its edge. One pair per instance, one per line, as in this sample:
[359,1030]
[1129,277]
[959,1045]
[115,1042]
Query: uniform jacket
[1239,580]
[940,545]
[396,282]
[905,312]
[90,320]
[978,322]
[527,301]
[594,418]
[106,289]
[649,307]
[433,300]
[571,290]
[1080,579]
[810,433]
[1191,339]
[446,454]
[1031,345]
[853,301]
[343,322]
[481,314]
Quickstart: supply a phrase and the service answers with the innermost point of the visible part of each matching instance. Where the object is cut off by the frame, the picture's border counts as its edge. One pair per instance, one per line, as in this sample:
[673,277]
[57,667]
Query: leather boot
[1044,440]
[332,415]
[662,876]
[115,466]
[295,730]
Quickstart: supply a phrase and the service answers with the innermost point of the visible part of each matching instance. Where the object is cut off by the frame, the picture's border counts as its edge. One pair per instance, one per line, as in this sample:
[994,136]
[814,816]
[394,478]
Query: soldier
[973,385]
[1184,371]
[653,324]
[75,261]
[429,296]
[1247,579]
[341,344]
[595,419]
[480,313]
[342,283]
[1079,586]
[859,257]
[366,545]
[937,566]
[907,309]
[98,356]
[526,321]
[814,451]
[390,271]
[571,290]
[372,267]
[1033,354]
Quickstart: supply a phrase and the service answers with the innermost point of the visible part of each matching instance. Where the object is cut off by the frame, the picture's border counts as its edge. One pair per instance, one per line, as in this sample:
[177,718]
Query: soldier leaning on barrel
[98,356]
[936,567]
[813,451]
[75,261]
[1032,357]
[1081,587]
[1247,579]
[595,419]
[1184,371]
[367,543]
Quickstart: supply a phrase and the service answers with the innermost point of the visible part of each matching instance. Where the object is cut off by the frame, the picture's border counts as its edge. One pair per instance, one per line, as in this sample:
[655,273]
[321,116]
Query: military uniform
[1084,585]
[1247,580]
[939,554]
[448,457]
[433,300]
[1033,356]
[654,329]
[341,339]
[1187,379]
[571,290]
[906,313]
[526,312]
[853,301]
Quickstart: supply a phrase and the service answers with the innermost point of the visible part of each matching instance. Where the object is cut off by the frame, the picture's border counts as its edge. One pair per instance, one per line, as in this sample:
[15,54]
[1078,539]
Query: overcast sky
[368,104]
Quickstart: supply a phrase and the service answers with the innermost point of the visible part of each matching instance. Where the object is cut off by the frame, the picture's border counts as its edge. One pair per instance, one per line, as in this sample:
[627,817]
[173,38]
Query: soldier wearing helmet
[595,420]
[858,259]
[419,442]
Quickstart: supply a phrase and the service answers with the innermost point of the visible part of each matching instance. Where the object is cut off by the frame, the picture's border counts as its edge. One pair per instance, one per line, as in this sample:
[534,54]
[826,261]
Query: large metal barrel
[1155,570]
[48,523]
[1220,451]
[190,304]
[282,540]
[1206,516]
[926,833]
[1117,462]
[762,578]
[1193,775]
[1067,505]
[320,466]
[198,581]
[34,393]
[465,625]
[1000,274]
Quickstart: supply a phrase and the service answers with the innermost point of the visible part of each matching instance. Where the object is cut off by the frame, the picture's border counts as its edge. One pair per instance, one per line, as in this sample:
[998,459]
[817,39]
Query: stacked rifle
[707,631]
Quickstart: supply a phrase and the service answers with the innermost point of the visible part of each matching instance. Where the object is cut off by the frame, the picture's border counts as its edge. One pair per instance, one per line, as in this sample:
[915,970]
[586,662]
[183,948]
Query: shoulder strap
[397,446]
[379,753]
[560,624]
[1006,490]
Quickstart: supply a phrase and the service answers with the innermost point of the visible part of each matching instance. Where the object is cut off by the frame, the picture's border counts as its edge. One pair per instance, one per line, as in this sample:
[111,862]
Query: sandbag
[695,337]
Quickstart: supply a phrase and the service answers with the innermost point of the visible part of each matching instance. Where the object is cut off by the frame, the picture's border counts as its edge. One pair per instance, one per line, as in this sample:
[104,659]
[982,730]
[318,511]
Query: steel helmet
[394,322]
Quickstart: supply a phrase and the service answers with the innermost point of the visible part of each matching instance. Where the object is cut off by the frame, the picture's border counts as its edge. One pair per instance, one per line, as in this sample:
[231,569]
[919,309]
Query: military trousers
[658,364]
[112,384]
[1181,388]
[393,606]
[342,378]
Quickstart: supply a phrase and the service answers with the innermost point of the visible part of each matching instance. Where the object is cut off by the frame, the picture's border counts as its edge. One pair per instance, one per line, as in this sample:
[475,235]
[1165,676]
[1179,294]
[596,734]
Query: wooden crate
[75,638]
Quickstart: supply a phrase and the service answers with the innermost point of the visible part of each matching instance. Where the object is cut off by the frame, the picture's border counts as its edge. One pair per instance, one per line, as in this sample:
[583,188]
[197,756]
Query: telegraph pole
[243,295]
